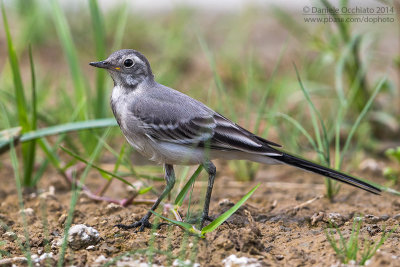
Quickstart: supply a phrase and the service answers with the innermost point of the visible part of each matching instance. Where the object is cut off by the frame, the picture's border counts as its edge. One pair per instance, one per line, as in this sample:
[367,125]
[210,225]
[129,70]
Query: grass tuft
[352,248]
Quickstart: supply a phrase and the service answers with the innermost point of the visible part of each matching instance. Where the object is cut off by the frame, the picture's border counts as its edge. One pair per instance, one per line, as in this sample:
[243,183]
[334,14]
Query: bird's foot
[206,218]
[142,223]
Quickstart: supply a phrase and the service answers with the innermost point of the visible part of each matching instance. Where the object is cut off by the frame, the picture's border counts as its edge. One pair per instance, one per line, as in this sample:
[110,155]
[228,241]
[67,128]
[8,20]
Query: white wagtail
[171,128]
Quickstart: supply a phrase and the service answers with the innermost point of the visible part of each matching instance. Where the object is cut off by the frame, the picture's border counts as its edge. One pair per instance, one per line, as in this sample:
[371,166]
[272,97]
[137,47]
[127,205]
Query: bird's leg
[211,170]
[144,222]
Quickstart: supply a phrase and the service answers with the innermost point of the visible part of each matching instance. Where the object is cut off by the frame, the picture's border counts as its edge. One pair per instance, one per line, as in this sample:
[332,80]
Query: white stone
[233,260]
[82,236]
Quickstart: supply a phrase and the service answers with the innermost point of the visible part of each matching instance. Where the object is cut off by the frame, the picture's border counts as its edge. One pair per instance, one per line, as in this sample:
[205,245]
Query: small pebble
[28,212]
[279,257]
[373,229]
[100,259]
[108,249]
[225,202]
[234,260]
[335,218]
[136,186]
[371,165]
[10,236]
[62,219]
[385,217]
[44,259]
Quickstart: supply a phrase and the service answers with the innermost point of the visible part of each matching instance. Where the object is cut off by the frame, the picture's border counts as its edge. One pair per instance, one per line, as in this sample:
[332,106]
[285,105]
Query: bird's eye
[128,63]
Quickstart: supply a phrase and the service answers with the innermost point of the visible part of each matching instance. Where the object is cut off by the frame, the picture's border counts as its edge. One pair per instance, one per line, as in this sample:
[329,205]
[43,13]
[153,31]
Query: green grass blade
[96,167]
[64,128]
[324,138]
[374,248]
[361,117]
[61,25]
[217,78]
[128,164]
[182,194]
[99,102]
[31,146]
[187,226]
[33,82]
[343,26]
[69,127]
[301,129]
[144,190]
[9,134]
[263,103]
[217,222]
[54,130]
[18,85]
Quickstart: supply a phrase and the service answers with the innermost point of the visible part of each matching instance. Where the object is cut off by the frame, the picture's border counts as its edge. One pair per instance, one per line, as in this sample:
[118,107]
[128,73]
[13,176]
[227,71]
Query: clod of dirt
[224,242]
[233,260]
[91,247]
[100,260]
[51,194]
[6,220]
[82,236]
[28,212]
[13,261]
[336,218]
[29,215]
[226,204]
[319,216]
[384,217]
[374,230]
[112,207]
[10,236]
[249,242]
[62,219]
[372,165]
[369,218]
[107,249]
[44,260]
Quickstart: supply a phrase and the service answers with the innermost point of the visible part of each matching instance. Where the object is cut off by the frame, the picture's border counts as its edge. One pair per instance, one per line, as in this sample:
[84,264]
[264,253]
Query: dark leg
[211,170]
[144,222]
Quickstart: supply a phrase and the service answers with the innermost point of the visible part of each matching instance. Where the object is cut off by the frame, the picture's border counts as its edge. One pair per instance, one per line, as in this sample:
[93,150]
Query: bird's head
[127,67]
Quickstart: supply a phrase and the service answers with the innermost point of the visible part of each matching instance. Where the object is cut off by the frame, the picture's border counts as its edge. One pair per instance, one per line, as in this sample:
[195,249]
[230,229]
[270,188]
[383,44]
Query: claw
[143,223]
[204,218]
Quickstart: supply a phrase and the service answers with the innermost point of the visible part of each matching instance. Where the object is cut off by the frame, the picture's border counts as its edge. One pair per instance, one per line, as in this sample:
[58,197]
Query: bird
[171,128]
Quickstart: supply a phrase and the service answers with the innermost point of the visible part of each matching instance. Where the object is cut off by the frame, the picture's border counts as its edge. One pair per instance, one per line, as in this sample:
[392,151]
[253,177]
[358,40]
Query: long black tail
[325,171]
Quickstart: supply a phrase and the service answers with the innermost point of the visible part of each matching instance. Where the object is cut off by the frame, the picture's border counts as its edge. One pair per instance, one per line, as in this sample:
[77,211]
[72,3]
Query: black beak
[101,64]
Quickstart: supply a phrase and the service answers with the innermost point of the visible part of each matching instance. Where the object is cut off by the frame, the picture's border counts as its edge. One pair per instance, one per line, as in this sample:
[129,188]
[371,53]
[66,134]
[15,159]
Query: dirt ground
[284,226]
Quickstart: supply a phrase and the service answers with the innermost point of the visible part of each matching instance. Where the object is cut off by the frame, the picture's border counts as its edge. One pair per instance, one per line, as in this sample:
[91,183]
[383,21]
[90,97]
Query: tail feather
[325,171]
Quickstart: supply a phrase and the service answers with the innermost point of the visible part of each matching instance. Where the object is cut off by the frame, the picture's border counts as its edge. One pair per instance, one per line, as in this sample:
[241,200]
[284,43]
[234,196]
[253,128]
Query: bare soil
[282,224]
